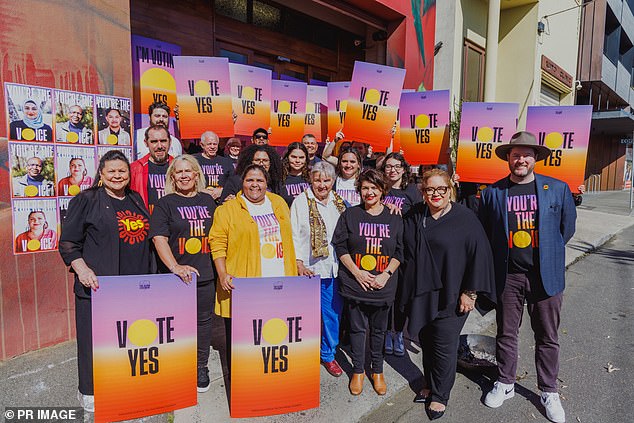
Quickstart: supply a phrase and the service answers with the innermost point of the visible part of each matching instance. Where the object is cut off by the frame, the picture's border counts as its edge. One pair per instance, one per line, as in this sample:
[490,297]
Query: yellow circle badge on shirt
[28,134]
[112,139]
[30,191]
[268,251]
[368,262]
[74,189]
[521,239]
[274,331]
[193,245]
[142,332]
[72,137]
[33,245]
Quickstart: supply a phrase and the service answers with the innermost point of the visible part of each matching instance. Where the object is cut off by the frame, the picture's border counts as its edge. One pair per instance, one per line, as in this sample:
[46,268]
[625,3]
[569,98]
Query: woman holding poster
[314,215]
[251,237]
[179,226]
[368,240]
[103,224]
[449,266]
[295,171]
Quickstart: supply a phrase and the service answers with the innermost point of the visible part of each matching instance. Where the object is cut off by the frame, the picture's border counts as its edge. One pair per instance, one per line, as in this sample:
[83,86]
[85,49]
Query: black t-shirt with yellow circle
[521,208]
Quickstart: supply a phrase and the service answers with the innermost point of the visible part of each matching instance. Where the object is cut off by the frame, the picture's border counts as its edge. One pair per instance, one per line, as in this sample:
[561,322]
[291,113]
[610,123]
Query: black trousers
[439,340]
[83,326]
[205,302]
[364,317]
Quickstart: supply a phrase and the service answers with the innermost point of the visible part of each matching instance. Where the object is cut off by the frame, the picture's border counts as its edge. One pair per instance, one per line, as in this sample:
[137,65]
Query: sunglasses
[261,137]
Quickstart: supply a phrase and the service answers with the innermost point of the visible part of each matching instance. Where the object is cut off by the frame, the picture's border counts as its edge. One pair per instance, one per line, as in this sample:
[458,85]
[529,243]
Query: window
[472,72]
[233,56]
[236,9]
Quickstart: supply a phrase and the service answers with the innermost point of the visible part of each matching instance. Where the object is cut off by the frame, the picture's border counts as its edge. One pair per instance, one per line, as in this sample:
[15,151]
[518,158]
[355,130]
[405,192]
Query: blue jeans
[331,306]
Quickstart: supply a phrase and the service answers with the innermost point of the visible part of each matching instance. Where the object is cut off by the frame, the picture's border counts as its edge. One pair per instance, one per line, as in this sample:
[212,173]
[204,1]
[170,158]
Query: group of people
[389,255]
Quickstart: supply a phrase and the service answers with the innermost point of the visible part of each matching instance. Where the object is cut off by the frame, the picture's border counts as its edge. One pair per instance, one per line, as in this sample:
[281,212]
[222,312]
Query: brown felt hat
[523,139]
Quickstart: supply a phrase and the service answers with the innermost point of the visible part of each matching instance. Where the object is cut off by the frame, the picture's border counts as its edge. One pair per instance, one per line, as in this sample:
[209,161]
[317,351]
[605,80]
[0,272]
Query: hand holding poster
[204,96]
[375,94]
[424,120]
[316,120]
[144,347]
[275,345]
[287,113]
[484,126]
[338,93]
[566,131]
[251,93]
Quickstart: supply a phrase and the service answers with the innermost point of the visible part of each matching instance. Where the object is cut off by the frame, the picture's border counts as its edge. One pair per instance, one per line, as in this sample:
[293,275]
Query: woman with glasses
[402,196]
[449,266]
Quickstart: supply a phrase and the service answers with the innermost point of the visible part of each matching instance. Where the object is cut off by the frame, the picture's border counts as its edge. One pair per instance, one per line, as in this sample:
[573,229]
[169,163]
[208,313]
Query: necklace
[442,213]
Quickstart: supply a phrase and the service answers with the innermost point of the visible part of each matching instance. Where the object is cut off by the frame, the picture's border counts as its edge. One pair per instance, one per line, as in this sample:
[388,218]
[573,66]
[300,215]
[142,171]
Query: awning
[613,122]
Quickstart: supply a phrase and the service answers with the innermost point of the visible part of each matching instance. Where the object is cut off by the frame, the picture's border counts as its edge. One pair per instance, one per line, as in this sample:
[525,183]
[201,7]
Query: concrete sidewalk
[49,377]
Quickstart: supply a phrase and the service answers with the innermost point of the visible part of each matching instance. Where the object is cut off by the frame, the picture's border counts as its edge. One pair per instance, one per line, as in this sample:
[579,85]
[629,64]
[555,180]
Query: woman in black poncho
[449,266]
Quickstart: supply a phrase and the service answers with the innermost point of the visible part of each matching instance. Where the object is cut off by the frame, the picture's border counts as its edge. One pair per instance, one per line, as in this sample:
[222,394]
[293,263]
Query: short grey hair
[209,135]
[323,167]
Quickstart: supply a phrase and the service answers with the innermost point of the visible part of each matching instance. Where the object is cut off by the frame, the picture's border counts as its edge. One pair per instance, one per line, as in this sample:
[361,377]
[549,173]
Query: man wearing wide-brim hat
[528,218]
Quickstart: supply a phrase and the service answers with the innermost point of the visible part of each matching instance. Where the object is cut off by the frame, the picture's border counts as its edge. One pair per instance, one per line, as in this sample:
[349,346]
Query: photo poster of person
[316,119]
[32,169]
[287,112]
[566,131]
[337,104]
[484,126]
[103,149]
[29,112]
[74,117]
[112,120]
[424,126]
[203,90]
[251,94]
[34,225]
[153,77]
[75,169]
[274,345]
[373,101]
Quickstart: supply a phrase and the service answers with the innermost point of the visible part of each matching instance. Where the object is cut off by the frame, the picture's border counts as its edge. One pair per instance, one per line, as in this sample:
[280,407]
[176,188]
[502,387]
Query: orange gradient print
[288,111]
[157,84]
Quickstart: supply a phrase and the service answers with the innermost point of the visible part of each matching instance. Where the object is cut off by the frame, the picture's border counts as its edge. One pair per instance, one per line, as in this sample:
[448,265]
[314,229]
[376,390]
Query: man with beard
[147,175]
[528,218]
[114,134]
[215,168]
[73,130]
[159,115]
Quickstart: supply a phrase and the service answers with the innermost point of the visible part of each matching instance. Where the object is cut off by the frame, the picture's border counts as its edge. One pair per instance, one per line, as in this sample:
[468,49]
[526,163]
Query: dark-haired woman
[294,172]
[368,242]
[348,169]
[402,195]
[93,244]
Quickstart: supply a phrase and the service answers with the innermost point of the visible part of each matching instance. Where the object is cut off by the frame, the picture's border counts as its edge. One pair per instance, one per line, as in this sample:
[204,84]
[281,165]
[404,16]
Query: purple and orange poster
[375,94]
[144,347]
[287,112]
[484,126]
[338,93]
[566,131]
[275,337]
[153,77]
[251,92]
[203,89]
[316,120]
[424,127]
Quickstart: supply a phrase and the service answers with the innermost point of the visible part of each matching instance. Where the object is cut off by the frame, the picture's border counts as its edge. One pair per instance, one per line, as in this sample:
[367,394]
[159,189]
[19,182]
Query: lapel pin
[545,186]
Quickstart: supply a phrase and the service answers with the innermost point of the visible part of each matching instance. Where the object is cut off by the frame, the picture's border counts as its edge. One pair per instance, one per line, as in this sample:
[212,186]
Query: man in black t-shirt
[215,168]
[528,218]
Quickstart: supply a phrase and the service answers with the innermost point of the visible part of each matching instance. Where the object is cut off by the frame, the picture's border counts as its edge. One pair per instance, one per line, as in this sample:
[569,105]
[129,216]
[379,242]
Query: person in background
[260,137]
[216,169]
[294,171]
[348,169]
[314,216]
[311,144]
[368,240]
[94,243]
[232,150]
[159,116]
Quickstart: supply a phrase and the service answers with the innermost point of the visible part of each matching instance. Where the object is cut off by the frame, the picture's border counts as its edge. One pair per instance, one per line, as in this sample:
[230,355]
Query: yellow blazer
[235,236]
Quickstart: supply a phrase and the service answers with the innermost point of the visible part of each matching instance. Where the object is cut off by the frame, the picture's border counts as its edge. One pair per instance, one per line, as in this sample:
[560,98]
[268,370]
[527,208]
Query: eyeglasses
[395,167]
[261,161]
[261,137]
[440,190]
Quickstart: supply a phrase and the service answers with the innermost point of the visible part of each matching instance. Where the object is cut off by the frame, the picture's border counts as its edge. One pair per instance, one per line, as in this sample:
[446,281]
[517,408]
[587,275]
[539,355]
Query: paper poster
[103,149]
[316,119]
[203,90]
[74,117]
[144,347]
[153,77]
[424,126]
[75,169]
[34,225]
[275,338]
[32,169]
[566,131]
[113,120]
[338,93]
[62,208]
[29,112]
[251,93]
[287,112]
[484,126]
[375,94]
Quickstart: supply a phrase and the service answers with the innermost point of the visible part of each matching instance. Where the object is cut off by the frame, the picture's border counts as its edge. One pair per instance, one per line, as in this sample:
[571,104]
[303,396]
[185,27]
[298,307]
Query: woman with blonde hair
[179,228]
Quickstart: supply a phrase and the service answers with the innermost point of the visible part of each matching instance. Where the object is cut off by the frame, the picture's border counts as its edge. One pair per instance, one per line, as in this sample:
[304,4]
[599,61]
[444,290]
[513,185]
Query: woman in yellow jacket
[251,237]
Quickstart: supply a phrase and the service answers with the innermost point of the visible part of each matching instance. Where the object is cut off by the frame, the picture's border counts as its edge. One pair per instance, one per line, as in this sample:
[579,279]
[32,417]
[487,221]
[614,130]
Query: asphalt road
[596,334]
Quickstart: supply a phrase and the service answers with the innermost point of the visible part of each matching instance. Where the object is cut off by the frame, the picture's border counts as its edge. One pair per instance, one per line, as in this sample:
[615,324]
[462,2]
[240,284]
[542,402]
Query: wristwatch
[389,272]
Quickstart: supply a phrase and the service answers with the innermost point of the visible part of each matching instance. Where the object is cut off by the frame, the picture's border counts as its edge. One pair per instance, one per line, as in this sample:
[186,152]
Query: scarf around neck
[318,233]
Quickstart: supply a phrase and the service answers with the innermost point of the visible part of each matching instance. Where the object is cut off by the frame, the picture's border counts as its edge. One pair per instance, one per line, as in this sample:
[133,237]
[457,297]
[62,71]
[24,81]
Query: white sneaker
[554,411]
[500,393]
[86,401]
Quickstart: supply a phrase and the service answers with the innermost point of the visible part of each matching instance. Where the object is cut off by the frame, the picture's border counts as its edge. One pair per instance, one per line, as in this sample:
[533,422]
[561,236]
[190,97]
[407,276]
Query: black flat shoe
[433,414]
[421,399]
